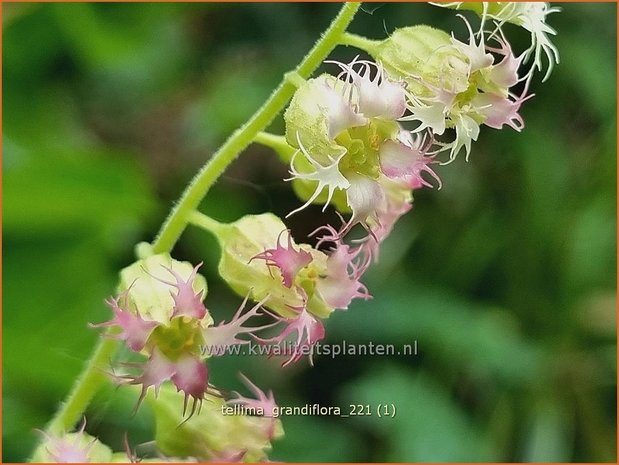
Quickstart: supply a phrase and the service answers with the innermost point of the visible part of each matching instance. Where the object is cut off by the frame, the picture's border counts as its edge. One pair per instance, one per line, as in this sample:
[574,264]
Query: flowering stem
[177,220]
[93,376]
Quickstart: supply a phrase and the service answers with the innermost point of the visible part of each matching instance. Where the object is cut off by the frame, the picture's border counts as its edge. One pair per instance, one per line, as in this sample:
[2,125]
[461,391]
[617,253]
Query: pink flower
[135,331]
[155,371]
[188,374]
[364,196]
[501,110]
[287,259]
[505,73]
[191,377]
[395,207]
[263,402]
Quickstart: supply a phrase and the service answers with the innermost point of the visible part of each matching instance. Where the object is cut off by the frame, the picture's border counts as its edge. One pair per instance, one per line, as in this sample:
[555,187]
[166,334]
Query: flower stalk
[86,386]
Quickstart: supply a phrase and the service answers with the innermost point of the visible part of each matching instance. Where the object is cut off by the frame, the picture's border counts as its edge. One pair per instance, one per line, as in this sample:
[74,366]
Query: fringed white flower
[327,177]
[378,96]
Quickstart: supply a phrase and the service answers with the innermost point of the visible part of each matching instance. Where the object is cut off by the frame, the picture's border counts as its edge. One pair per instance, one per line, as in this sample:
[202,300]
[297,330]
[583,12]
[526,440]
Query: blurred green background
[506,277]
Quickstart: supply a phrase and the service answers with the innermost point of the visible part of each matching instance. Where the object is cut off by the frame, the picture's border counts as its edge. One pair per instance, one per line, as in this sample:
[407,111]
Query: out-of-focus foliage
[506,277]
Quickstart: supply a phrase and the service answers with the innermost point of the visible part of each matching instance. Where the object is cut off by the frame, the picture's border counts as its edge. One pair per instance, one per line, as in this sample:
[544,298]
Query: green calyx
[182,336]
[250,236]
[362,146]
[307,119]
[211,433]
[423,54]
[148,292]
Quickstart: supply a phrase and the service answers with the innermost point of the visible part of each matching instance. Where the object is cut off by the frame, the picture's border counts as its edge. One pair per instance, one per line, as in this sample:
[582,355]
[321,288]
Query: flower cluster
[456,85]
[298,284]
[528,15]
[160,314]
[362,140]
[351,146]
[352,150]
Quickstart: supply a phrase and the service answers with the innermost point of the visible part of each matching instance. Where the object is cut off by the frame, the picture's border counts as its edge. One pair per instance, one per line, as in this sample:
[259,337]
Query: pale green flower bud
[317,114]
[211,434]
[423,53]
[149,294]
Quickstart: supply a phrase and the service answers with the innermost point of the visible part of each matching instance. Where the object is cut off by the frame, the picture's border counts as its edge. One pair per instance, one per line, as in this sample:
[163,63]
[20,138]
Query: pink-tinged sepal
[135,331]
[188,373]
[308,330]
[341,282]
[263,402]
[388,216]
[155,371]
[186,301]
[219,338]
[499,111]
[286,258]
[408,161]
[505,73]
[191,377]
[364,196]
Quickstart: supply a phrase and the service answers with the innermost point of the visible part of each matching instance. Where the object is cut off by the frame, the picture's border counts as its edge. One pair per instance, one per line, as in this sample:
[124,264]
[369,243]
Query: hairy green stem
[360,42]
[93,376]
[277,143]
[85,388]
[205,222]
[176,223]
